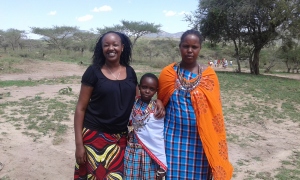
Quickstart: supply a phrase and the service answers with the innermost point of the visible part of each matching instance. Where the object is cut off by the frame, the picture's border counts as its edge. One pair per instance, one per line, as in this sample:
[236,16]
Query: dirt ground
[24,159]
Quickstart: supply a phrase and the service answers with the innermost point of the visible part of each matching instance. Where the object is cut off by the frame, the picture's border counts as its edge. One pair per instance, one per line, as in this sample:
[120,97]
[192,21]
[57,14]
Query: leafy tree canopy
[133,29]
[254,23]
[57,36]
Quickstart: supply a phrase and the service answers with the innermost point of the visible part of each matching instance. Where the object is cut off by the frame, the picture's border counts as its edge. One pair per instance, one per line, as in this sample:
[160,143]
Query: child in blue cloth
[145,152]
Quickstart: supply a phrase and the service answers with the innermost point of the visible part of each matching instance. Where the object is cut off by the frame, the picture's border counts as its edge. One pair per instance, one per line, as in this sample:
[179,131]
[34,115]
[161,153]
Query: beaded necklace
[140,117]
[185,84]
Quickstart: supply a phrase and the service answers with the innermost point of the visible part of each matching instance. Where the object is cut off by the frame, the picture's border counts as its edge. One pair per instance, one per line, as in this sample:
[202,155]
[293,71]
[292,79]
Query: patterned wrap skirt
[185,155]
[138,164]
[105,156]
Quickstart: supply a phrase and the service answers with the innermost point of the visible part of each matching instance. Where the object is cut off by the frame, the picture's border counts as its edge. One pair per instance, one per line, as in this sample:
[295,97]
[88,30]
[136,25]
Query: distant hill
[164,34]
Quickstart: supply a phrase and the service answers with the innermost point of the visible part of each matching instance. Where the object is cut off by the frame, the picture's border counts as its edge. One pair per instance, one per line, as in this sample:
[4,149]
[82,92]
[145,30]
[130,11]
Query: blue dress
[185,155]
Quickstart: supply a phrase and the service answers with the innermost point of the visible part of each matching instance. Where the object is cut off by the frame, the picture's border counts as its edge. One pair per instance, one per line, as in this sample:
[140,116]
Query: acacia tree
[251,23]
[11,37]
[136,29]
[289,51]
[133,29]
[82,40]
[290,48]
[220,21]
[3,43]
[57,36]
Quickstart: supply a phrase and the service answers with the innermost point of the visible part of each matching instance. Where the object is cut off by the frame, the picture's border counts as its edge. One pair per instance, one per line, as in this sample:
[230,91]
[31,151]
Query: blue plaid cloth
[184,151]
[138,164]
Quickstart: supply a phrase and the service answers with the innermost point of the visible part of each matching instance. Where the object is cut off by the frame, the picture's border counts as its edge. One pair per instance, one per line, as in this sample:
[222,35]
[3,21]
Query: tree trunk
[237,56]
[268,69]
[82,50]
[13,47]
[287,66]
[239,64]
[254,61]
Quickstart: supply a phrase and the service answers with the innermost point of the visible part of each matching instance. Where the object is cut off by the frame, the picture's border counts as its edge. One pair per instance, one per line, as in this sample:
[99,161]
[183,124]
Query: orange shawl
[206,101]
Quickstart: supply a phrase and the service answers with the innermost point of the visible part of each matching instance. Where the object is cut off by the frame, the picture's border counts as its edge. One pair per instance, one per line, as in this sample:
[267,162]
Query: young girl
[145,152]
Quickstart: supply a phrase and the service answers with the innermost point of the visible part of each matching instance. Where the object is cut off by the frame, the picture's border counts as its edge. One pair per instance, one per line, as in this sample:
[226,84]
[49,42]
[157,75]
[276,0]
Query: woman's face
[190,49]
[112,47]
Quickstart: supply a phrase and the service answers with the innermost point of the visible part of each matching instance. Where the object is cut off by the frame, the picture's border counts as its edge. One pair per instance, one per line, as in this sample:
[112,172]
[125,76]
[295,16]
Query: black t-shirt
[111,100]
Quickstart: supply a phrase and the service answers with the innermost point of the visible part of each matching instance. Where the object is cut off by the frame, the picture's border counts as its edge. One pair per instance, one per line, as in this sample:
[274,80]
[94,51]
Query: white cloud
[85,18]
[169,13]
[183,13]
[102,8]
[52,13]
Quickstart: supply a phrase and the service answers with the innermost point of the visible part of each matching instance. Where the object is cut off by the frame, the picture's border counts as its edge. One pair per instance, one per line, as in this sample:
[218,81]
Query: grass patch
[250,100]
[5,178]
[290,169]
[22,83]
[38,116]
[263,97]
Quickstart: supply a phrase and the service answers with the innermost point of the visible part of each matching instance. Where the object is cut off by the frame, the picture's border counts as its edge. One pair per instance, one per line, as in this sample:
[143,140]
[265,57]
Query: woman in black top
[107,94]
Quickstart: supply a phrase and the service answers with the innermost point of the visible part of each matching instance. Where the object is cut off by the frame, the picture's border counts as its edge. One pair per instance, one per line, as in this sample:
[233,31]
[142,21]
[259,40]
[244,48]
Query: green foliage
[57,36]
[133,29]
[66,90]
[252,24]
[7,64]
[290,53]
[158,52]
[11,37]
[83,41]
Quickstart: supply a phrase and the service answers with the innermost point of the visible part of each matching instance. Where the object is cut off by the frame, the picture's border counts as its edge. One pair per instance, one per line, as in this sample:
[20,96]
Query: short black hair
[150,75]
[125,59]
[193,32]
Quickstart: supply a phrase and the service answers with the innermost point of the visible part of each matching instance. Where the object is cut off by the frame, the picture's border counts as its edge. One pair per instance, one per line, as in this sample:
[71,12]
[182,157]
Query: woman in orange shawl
[195,136]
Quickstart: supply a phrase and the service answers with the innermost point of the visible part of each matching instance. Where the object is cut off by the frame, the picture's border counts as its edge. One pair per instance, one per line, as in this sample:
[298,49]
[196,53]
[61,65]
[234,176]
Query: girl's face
[112,47]
[148,88]
[190,49]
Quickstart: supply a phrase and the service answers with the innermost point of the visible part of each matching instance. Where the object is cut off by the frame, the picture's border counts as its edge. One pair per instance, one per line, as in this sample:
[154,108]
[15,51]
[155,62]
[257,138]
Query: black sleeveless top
[111,100]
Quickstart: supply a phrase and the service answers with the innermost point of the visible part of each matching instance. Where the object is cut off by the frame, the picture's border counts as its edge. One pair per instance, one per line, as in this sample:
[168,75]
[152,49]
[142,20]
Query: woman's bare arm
[83,100]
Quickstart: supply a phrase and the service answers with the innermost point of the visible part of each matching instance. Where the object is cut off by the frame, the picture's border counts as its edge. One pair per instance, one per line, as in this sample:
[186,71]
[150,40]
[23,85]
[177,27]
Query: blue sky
[92,14]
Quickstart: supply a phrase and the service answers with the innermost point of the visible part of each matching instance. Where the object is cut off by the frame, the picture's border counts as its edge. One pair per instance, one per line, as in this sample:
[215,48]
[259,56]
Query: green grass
[256,92]
[5,178]
[7,64]
[22,83]
[256,101]
[290,168]
[37,116]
